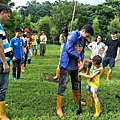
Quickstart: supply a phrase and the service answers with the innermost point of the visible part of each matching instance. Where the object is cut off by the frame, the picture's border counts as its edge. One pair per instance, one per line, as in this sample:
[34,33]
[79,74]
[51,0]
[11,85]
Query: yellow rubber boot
[22,68]
[57,73]
[88,103]
[3,111]
[98,110]
[59,106]
[108,75]
[35,53]
[5,104]
[76,97]
[87,71]
[102,73]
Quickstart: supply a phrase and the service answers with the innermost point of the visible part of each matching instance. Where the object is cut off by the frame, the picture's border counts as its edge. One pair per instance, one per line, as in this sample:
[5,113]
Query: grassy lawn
[34,97]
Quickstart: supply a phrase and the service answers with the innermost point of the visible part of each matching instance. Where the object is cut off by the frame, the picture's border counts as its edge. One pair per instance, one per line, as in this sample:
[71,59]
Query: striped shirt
[6,45]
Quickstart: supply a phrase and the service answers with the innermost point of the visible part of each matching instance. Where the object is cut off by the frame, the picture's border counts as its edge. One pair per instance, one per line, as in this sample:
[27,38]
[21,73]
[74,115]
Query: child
[112,52]
[97,47]
[34,43]
[93,83]
[17,45]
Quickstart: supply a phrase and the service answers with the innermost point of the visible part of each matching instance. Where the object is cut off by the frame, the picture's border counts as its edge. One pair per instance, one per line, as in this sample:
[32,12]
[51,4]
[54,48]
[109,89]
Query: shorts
[34,47]
[108,60]
[91,88]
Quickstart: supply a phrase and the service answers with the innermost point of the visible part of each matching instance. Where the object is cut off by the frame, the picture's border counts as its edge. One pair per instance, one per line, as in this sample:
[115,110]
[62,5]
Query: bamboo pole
[73,16]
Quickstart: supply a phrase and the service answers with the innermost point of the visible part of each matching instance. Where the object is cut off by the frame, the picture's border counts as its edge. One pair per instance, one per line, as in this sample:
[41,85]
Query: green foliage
[53,34]
[59,14]
[34,97]
[96,27]
[44,25]
[5,1]
[74,25]
[9,27]
[27,22]
[115,24]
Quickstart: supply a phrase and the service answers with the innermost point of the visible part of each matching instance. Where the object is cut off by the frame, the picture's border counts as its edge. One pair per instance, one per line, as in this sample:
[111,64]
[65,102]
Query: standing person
[29,41]
[23,63]
[17,45]
[5,13]
[97,47]
[62,39]
[70,57]
[34,43]
[93,83]
[43,40]
[111,53]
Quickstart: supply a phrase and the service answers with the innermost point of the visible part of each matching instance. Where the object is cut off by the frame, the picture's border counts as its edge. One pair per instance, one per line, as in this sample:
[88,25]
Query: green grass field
[34,97]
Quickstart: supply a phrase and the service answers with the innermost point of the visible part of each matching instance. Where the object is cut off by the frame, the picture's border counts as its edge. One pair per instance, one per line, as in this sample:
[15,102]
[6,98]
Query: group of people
[72,62]
[19,51]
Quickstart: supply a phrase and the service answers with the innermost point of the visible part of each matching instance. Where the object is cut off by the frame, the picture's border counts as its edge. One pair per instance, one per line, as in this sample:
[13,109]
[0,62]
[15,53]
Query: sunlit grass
[34,97]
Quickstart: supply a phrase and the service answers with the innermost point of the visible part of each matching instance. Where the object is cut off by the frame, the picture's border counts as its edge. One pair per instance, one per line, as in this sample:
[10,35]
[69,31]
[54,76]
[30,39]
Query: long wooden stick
[73,15]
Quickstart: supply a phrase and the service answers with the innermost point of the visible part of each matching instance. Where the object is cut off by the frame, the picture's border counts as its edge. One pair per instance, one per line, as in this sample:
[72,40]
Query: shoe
[14,78]
[19,79]
[22,70]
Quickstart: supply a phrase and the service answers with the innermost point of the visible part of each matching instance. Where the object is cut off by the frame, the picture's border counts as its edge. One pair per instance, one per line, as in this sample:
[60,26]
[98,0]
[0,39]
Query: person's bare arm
[2,57]
[89,76]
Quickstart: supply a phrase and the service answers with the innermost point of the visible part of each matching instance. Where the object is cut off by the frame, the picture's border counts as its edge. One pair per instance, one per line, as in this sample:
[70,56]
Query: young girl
[93,83]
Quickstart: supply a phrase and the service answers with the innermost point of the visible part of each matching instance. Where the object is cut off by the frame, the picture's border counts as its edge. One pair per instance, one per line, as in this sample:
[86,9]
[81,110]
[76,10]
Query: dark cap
[19,30]
[113,32]
[64,31]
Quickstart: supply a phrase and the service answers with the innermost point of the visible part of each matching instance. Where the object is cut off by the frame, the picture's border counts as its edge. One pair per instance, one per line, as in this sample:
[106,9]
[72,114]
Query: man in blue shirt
[70,62]
[5,13]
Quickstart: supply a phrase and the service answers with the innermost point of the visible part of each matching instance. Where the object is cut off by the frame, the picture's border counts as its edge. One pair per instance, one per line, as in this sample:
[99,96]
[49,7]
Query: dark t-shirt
[112,47]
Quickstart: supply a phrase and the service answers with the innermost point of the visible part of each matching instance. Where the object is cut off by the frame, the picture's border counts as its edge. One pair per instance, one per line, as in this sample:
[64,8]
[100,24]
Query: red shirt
[29,41]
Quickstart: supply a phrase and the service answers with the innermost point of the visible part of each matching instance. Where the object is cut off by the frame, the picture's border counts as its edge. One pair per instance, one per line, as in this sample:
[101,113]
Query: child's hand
[80,73]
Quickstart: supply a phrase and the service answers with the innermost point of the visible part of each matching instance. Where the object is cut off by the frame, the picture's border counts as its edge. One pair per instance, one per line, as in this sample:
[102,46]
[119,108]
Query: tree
[96,26]
[27,22]
[14,22]
[44,25]
[114,24]
[53,34]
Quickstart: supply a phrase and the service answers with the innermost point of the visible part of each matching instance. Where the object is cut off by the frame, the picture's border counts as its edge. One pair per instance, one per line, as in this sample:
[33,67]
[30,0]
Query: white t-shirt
[97,48]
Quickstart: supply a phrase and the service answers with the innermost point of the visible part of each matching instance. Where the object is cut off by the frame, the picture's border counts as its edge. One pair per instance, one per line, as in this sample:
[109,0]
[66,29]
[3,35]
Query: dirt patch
[50,79]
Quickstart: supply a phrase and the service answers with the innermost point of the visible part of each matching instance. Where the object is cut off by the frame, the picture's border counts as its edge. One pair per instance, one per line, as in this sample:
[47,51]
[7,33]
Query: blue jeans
[91,88]
[4,79]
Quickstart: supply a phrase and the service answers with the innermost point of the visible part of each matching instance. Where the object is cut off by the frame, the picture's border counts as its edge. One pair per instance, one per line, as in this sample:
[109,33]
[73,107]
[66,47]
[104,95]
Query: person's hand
[116,59]
[80,65]
[6,67]
[14,58]
[80,73]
